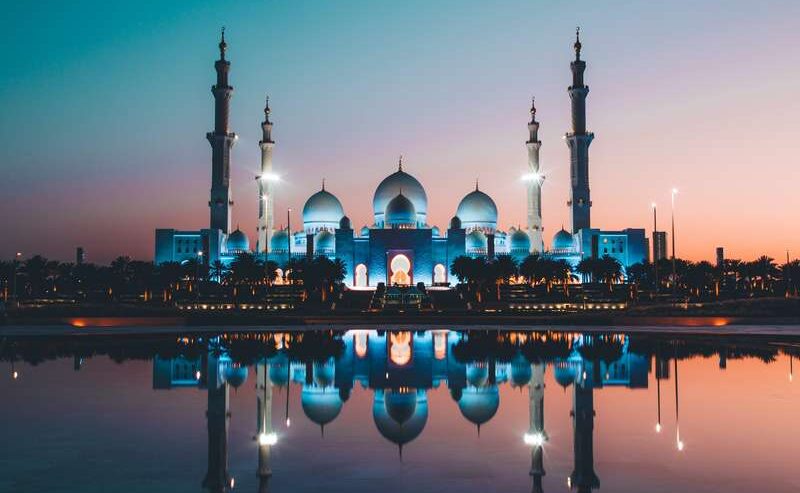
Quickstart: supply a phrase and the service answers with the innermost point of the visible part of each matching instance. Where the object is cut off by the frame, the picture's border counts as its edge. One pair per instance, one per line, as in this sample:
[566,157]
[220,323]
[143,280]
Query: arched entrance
[439,274]
[361,276]
[400,269]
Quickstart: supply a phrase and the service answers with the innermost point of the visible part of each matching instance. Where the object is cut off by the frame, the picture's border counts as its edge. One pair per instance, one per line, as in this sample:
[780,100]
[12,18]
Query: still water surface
[399,411]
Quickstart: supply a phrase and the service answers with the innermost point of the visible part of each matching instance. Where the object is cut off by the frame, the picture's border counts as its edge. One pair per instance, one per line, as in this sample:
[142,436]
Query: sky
[106,106]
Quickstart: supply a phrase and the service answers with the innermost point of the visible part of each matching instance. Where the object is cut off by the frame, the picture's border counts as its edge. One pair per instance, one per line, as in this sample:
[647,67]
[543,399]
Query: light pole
[197,272]
[674,277]
[655,250]
[289,232]
[15,266]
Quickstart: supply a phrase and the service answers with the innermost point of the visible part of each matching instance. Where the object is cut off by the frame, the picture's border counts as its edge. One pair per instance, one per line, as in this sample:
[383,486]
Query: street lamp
[15,266]
[674,277]
[655,252]
[197,272]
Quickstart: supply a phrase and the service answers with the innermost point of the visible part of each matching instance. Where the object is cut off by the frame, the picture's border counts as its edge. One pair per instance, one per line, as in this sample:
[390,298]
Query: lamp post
[289,232]
[655,252]
[674,276]
[197,272]
[15,266]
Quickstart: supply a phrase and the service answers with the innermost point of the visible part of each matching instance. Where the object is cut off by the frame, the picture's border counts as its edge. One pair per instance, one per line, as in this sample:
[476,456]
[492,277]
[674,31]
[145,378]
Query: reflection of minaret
[218,420]
[578,141]
[536,434]
[534,180]
[266,220]
[583,477]
[221,140]
[266,436]
[678,441]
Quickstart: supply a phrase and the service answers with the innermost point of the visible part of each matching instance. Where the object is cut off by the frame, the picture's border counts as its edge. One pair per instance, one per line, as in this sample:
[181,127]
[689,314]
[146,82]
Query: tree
[699,277]
[218,271]
[461,268]
[531,269]
[609,270]
[246,269]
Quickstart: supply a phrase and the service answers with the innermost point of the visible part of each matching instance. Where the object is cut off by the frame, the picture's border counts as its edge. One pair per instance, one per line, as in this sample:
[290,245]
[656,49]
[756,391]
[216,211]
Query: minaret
[536,432]
[583,477]
[535,180]
[221,140]
[218,418]
[266,436]
[578,141]
[266,218]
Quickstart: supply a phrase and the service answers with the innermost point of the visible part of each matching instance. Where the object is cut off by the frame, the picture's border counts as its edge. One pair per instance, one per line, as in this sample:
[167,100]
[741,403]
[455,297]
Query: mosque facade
[400,247]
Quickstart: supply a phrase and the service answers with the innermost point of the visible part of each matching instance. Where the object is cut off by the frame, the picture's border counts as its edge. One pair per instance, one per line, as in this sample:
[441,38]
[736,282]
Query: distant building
[720,256]
[659,245]
[80,256]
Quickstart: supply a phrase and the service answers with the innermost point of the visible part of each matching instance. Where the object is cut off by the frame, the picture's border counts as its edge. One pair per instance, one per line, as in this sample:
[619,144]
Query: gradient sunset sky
[106,106]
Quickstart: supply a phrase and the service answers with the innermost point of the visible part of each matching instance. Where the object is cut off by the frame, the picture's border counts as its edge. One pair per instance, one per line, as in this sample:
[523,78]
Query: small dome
[279,370]
[478,210]
[321,405]
[365,231]
[400,211]
[564,373]
[563,241]
[476,240]
[479,405]
[455,223]
[520,241]
[324,242]
[391,186]
[235,376]
[279,242]
[521,372]
[344,223]
[237,242]
[322,211]
[435,232]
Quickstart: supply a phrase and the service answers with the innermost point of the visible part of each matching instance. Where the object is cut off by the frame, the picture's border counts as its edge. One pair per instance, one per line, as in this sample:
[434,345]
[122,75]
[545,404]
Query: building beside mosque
[400,247]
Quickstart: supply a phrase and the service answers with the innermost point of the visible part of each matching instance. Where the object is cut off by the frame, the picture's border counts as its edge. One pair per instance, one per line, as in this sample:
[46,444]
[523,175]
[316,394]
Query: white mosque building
[400,247]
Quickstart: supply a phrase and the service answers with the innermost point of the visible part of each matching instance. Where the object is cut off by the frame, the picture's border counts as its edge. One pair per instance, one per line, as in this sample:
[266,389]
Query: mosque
[400,247]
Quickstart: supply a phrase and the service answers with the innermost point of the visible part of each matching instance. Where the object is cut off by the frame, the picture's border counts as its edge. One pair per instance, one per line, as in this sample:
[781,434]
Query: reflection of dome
[520,241]
[435,232]
[235,376]
[400,212]
[237,242]
[344,223]
[322,211]
[323,373]
[400,416]
[324,242]
[564,373]
[321,405]
[279,242]
[521,372]
[477,210]
[479,405]
[279,371]
[477,374]
[563,241]
[476,240]
[391,186]
[364,231]
[455,223]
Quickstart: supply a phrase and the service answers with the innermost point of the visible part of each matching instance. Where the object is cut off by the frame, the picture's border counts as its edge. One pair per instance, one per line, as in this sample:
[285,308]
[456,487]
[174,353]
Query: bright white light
[537,177]
[680,445]
[791,377]
[200,253]
[271,177]
[15,375]
[197,375]
[288,422]
[265,439]
[674,191]
[653,205]
[658,427]
[534,439]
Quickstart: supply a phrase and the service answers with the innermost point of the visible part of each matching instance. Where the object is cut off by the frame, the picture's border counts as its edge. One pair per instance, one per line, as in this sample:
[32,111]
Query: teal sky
[106,105]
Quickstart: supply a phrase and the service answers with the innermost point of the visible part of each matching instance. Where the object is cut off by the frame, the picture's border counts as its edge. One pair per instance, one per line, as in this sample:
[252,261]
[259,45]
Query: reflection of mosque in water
[400,368]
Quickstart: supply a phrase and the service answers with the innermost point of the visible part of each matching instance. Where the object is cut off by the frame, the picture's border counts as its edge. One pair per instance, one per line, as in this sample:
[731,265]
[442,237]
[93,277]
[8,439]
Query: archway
[439,274]
[401,270]
[361,276]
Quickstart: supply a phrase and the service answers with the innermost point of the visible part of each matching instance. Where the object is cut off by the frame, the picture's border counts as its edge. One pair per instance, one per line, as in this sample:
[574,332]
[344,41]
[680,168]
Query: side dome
[476,242]
[320,405]
[391,186]
[365,231]
[344,223]
[400,212]
[324,243]
[564,373]
[520,241]
[479,405]
[279,242]
[235,375]
[322,211]
[436,232]
[237,242]
[478,211]
[563,241]
[521,372]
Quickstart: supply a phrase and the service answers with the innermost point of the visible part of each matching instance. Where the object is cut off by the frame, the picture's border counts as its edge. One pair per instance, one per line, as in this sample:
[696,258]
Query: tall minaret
[535,180]
[266,436]
[221,140]
[578,141]
[536,430]
[266,179]
[583,477]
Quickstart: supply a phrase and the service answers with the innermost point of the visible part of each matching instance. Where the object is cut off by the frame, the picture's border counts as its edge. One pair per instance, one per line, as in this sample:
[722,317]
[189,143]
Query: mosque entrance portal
[400,270]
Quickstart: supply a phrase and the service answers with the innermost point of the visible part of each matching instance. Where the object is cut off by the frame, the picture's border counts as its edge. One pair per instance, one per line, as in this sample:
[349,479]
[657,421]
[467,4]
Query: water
[421,411]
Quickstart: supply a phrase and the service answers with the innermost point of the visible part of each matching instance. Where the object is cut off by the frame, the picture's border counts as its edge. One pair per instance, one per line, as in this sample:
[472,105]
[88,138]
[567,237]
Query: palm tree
[246,269]
[563,271]
[698,277]
[790,272]
[531,269]
[270,272]
[503,268]
[217,271]
[764,271]
[461,268]
[610,270]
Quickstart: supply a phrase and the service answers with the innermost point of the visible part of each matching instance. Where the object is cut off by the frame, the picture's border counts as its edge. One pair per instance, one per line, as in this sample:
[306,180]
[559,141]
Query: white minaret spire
[578,141]
[535,180]
[221,140]
[266,179]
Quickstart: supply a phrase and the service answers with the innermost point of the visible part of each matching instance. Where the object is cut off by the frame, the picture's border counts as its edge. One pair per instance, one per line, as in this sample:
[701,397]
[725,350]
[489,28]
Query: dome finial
[267,109]
[222,45]
[533,107]
[577,44]
[476,184]
[323,184]
[400,163]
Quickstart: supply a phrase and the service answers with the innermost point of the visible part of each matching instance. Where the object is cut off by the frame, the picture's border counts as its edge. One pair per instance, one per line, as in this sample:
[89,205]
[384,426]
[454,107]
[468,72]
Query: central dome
[391,186]
[322,211]
[400,212]
[478,211]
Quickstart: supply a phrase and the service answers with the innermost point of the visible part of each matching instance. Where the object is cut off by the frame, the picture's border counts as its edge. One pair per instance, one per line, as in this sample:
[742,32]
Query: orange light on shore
[78,323]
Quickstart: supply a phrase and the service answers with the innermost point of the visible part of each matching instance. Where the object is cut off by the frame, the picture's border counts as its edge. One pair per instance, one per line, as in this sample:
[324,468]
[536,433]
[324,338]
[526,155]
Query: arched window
[361,275]
[439,273]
